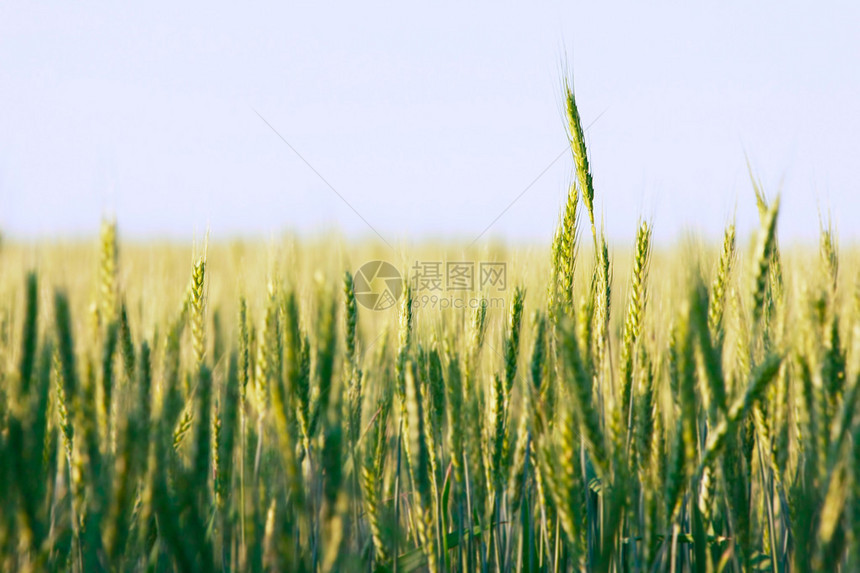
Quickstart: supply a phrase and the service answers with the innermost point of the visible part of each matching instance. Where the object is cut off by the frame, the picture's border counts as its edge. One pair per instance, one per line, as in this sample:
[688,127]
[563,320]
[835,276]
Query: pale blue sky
[429,121]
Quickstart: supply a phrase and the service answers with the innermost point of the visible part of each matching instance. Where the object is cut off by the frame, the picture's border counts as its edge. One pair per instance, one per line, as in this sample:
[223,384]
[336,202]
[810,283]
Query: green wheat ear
[405,337]
[229,431]
[351,316]
[326,349]
[564,257]
[245,349]
[721,283]
[455,401]
[762,261]
[580,155]
[197,303]
[126,343]
[603,303]
[512,339]
[66,348]
[419,463]
[582,400]
[372,473]
[635,313]
[108,265]
[829,255]
[498,431]
[30,335]
[353,373]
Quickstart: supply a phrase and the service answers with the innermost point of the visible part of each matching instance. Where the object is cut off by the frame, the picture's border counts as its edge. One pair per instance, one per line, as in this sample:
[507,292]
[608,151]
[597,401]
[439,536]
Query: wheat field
[236,406]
